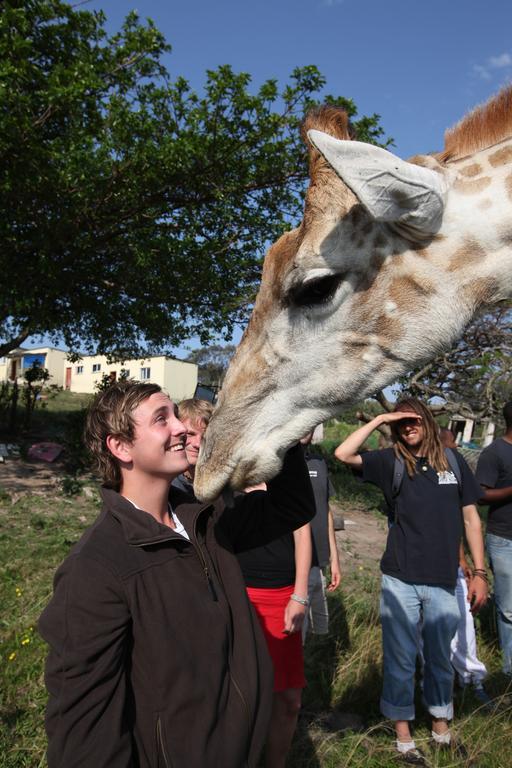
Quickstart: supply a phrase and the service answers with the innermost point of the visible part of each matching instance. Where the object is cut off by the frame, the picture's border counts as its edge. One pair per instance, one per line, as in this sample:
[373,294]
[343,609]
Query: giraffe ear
[392,190]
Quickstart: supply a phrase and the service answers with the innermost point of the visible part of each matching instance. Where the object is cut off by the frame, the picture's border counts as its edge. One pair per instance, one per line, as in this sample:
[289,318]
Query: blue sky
[420,65]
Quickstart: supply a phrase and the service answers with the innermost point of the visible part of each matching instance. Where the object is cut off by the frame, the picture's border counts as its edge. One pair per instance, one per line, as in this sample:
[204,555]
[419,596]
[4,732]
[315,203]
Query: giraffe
[390,262]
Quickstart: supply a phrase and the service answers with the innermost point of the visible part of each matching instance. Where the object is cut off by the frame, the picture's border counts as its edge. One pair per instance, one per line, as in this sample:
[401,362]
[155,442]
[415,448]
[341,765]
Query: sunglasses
[409,423]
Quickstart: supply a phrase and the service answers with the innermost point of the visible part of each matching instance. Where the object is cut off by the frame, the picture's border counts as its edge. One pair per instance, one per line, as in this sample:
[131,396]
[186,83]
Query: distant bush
[347,485]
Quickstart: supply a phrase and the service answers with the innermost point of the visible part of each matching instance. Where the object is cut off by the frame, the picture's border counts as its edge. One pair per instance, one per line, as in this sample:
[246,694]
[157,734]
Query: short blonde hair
[111,413]
[195,410]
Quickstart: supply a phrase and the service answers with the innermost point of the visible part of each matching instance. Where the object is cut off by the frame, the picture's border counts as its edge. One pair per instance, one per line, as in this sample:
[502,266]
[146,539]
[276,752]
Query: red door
[68,378]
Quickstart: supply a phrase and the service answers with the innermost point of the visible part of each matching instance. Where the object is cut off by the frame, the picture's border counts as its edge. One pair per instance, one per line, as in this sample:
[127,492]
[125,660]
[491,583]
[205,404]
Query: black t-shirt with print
[494,470]
[423,542]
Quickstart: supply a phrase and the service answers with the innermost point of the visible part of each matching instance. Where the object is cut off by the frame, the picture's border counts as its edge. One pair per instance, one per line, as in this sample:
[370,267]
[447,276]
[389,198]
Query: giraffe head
[389,263]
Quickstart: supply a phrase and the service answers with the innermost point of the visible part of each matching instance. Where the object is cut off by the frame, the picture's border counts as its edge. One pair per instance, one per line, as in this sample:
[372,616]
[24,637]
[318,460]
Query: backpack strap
[398,476]
[454,465]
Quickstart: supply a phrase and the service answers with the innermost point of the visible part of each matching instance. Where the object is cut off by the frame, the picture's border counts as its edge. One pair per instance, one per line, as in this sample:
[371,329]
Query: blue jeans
[500,557]
[401,607]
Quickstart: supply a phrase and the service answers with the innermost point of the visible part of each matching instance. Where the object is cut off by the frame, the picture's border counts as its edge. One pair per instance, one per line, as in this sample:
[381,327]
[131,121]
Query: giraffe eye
[313,292]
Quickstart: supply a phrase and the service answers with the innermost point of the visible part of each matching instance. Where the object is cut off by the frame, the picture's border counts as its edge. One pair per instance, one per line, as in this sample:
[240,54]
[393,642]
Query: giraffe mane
[484,126]
[329,119]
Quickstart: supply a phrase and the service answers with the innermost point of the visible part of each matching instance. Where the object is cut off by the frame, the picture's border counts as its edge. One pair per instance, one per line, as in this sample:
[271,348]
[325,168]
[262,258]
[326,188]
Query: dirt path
[18,476]
[360,545]
[362,542]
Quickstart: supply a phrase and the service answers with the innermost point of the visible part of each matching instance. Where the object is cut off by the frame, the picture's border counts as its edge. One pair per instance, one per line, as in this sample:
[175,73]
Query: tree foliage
[135,210]
[212,362]
[474,378]
[35,379]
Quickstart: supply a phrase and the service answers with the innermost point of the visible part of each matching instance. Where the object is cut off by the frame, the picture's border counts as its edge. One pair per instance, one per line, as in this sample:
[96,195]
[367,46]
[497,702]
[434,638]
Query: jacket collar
[140,528]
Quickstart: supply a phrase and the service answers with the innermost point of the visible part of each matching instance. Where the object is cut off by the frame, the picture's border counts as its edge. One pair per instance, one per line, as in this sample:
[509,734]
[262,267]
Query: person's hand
[477,593]
[294,614]
[468,573]
[388,418]
[335,577]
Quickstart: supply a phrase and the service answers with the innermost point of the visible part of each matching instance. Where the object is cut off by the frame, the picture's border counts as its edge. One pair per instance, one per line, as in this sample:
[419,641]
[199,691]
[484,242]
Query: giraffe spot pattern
[469,252]
[501,157]
[407,293]
[472,187]
[508,185]
[471,170]
[388,328]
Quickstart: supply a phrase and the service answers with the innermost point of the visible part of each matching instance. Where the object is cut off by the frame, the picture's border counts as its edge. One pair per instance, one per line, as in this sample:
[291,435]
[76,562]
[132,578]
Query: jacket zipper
[197,547]
[161,743]
[202,558]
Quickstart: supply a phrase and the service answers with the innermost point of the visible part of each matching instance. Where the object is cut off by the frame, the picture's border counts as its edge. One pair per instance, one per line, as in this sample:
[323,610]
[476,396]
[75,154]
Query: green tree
[212,363]
[35,379]
[474,378]
[135,210]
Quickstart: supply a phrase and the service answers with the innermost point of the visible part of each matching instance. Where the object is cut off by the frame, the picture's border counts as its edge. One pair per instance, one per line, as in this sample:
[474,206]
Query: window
[96,367]
[145,374]
[31,360]
[79,369]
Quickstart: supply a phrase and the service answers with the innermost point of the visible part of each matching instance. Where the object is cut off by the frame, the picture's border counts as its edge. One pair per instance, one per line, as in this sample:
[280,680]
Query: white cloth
[463,647]
[316,619]
[179,528]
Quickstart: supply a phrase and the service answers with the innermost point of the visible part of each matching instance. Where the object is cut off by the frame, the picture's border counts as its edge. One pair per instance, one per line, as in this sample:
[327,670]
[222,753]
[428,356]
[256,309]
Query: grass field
[343,669]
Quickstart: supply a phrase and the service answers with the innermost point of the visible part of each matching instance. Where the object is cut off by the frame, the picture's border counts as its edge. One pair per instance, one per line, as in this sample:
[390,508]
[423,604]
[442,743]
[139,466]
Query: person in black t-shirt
[325,551]
[494,473]
[419,565]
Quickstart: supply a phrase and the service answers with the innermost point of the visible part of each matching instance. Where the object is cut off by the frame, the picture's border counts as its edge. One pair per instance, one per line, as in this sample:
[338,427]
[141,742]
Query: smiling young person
[156,658]
[420,563]
[195,415]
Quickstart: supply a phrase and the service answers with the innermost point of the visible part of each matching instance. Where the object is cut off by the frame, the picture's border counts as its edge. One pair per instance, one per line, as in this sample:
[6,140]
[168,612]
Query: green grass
[343,669]
[54,413]
[35,535]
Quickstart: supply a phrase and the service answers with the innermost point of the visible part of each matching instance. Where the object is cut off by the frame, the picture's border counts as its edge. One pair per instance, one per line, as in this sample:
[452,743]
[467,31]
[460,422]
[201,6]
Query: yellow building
[13,365]
[177,378]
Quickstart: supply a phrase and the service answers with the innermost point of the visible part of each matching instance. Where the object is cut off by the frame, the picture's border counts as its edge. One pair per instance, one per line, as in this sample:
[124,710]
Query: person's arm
[295,611]
[477,588]
[488,477]
[261,516]
[464,565]
[334,559]
[86,625]
[495,495]
[347,451]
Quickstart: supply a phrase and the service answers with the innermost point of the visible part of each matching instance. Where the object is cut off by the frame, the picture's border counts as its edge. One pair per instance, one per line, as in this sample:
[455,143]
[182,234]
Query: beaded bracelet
[302,600]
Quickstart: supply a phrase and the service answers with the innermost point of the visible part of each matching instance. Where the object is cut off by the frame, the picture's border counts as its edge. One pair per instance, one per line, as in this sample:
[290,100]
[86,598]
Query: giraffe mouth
[210,480]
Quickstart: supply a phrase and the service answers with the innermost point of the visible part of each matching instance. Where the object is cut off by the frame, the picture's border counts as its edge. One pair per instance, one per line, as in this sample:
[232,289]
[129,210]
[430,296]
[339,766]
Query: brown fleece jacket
[156,658]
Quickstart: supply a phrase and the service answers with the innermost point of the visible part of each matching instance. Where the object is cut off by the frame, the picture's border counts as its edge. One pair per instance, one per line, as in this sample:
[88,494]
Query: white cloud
[503,60]
[486,71]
